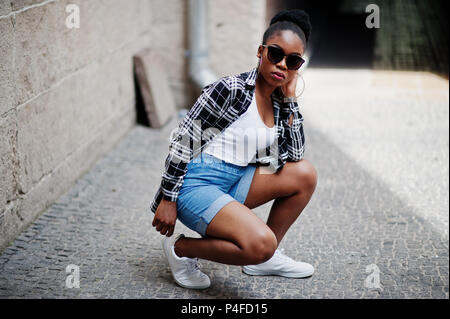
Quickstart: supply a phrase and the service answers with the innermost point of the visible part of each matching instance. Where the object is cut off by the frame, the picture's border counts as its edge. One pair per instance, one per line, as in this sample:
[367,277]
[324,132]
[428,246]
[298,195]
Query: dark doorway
[413,35]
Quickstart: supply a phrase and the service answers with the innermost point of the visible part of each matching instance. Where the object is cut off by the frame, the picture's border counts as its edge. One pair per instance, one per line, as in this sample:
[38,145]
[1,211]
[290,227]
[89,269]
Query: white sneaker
[280,265]
[185,270]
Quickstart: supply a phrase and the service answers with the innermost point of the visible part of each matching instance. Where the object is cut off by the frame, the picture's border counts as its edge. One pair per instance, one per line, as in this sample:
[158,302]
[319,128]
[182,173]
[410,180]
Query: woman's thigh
[289,180]
[237,223]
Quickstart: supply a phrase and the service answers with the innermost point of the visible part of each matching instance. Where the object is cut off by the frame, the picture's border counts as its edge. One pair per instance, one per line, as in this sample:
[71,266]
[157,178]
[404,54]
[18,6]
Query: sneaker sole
[175,279]
[190,287]
[282,274]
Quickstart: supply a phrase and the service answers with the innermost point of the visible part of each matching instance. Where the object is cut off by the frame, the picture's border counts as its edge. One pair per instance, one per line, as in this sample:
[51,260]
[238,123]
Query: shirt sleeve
[191,134]
[293,134]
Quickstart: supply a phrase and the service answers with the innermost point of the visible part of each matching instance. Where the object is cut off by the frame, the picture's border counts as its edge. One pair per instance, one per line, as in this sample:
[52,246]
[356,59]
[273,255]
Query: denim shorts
[209,184]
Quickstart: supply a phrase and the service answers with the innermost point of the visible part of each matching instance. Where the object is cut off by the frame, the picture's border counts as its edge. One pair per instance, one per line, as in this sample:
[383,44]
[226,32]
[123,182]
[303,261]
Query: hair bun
[297,16]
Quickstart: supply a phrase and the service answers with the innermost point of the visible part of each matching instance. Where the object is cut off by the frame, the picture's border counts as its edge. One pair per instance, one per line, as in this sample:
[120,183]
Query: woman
[212,189]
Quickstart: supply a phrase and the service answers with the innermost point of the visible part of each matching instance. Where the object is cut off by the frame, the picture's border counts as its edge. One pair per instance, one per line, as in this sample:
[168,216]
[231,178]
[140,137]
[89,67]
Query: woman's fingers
[159,226]
[170,231]
[164,228]
[165,218]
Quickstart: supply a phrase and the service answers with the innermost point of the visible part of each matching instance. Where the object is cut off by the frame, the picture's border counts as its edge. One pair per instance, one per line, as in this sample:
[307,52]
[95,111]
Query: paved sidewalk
[362,215]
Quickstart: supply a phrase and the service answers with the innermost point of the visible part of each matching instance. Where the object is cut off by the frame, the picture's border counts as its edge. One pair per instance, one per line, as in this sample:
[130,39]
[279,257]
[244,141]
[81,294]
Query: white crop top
[239,142]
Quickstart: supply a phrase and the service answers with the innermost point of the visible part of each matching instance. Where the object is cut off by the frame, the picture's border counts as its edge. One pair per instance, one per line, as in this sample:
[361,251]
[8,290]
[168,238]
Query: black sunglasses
[276,54]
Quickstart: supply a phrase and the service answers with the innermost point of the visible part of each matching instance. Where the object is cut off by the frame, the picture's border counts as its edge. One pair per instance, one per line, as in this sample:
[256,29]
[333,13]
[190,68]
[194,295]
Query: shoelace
[193,265]
[281,255]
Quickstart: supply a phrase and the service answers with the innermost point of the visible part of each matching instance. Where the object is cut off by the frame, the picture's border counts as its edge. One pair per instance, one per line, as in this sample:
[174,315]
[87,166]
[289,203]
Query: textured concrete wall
[67,95]
[236,29]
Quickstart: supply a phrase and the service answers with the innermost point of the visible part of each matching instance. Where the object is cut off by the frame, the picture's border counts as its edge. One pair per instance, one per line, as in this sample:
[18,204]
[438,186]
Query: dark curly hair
[292,19]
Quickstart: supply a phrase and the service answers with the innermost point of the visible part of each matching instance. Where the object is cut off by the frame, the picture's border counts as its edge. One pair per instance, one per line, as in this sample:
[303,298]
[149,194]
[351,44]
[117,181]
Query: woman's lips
[277,76]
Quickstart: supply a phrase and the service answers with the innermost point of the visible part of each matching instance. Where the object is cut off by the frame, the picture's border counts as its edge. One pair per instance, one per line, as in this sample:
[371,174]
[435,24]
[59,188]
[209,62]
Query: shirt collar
[251,76]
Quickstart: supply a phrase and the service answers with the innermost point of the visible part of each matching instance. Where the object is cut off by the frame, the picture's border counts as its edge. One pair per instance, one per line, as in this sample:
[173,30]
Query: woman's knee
[260,246]
[305,175]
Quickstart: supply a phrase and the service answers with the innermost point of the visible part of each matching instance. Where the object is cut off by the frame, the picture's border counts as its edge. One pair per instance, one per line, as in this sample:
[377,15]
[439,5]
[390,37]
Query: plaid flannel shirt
[218,106]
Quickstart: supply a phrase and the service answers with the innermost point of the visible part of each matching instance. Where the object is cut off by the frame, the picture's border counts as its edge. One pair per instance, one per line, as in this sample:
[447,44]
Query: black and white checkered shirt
[218,106]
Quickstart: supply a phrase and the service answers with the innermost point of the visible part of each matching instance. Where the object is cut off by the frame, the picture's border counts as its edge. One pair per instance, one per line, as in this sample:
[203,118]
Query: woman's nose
[282,63]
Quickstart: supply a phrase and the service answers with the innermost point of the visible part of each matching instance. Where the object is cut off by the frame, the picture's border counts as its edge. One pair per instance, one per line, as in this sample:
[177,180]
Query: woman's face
[290,43]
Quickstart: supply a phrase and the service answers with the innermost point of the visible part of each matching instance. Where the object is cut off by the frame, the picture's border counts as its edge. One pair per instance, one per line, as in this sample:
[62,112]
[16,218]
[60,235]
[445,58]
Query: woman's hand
[165,217]
[289,87]
[289,91]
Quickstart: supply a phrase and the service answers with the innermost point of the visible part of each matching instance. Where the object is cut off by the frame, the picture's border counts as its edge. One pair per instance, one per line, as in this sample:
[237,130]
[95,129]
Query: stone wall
[236,30]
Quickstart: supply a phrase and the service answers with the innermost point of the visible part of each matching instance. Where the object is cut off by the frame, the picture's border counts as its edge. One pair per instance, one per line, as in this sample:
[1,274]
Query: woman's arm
[205,112]
[186,142]
[292,121]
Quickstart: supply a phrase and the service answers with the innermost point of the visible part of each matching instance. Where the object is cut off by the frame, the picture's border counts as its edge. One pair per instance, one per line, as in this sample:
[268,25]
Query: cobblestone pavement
[359,220]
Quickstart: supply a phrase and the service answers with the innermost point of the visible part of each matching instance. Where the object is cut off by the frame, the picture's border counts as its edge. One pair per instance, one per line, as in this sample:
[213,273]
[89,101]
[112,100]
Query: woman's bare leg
[236,236]
[292,188]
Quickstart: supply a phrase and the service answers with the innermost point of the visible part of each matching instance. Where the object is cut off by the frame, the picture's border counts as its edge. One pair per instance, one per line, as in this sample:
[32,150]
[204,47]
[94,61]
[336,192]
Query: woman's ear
[258,54]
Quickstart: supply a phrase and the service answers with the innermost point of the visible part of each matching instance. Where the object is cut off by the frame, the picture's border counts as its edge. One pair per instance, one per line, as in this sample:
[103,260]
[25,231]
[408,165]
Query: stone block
[177,9]
[56,123]
[235,29]
[144,15]
[36,60]
[8,167]
[5,7]
[118,24]
[17,217]
[47,50]
[154,87]
[44,193]
[21,4]
[7,75]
